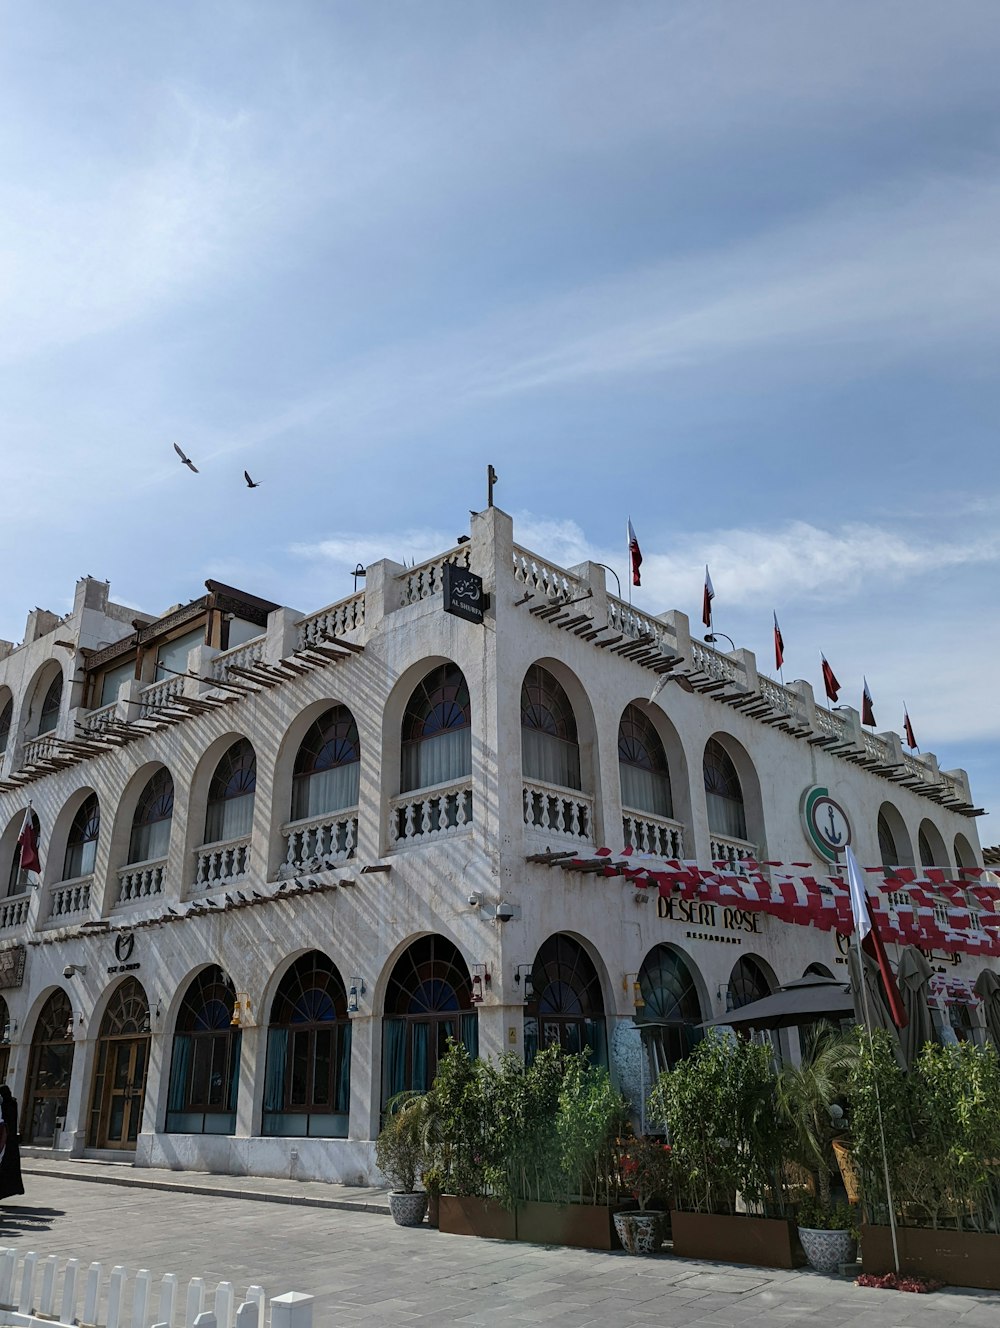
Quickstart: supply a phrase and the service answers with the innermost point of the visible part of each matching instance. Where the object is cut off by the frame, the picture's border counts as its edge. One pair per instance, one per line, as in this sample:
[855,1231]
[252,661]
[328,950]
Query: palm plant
[805,1094]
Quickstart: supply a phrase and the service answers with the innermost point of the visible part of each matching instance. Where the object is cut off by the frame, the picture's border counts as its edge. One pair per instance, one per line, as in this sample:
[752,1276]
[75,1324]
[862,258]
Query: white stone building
[341,824]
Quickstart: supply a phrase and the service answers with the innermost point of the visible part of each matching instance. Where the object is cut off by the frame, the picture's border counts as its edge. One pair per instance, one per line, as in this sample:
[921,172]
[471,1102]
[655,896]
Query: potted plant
[646,1173]
[828,1233]
[399,1153]
[807,1097]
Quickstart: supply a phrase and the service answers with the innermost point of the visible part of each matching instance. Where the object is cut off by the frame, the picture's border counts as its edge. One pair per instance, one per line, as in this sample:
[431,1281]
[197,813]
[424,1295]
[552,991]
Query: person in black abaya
[10,1161]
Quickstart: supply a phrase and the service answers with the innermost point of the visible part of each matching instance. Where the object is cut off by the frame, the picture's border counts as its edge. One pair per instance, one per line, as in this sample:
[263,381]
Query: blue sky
[731,269]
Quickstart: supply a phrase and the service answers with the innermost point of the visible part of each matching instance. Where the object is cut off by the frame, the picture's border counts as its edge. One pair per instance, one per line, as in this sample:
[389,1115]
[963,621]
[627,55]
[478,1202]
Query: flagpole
[871,1044]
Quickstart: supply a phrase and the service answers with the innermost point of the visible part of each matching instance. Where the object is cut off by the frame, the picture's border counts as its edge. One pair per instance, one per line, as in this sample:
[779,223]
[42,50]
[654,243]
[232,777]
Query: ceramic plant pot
[640,1233]
[827,1250]
[407,1207]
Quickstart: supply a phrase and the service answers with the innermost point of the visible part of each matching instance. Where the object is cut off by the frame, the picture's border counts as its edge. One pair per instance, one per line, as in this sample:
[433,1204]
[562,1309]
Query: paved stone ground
[363,1270]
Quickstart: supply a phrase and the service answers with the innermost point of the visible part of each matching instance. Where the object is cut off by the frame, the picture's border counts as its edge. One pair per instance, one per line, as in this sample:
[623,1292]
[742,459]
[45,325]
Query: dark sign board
[12,967]
[463,593]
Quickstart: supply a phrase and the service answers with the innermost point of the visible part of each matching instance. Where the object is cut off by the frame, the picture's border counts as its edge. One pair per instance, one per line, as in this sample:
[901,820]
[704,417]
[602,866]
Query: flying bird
[251,484]
[186,460]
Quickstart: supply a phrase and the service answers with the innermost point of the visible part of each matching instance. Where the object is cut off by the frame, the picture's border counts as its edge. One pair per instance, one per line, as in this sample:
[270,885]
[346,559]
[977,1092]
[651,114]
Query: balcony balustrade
[432,813]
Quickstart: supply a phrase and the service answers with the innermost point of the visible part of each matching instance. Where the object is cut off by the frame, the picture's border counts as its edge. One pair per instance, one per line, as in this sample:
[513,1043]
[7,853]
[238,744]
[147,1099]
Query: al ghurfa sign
[463,593]
[12,967]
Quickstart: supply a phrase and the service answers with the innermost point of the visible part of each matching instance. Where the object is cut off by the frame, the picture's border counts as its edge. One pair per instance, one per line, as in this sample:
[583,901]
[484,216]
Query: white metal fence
[39,1291]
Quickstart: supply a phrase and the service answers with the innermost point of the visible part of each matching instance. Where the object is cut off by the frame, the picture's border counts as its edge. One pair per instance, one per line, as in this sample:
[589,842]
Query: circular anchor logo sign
[124,945]
[825,823]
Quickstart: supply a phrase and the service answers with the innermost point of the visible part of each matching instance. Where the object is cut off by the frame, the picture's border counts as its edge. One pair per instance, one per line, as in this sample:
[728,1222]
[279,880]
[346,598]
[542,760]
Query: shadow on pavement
[22,1219]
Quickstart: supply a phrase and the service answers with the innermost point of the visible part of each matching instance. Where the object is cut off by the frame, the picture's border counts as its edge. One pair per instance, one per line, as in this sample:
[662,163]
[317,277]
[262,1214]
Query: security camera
[504,912]
[475,899]
[72,969]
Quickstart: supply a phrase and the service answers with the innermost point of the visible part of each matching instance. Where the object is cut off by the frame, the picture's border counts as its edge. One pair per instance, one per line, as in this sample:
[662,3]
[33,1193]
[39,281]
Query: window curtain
[149,841]
[596,1033]
[421,1039]
[470,1034]
[645,790]
[231,819]
[726,816]
[174,656]
[235,1051]
[394,1057]
[274,1077]
[180,1068]
[326,791]
[439,760]
[342,1089]
[113,679]
[550,759]
[80,860]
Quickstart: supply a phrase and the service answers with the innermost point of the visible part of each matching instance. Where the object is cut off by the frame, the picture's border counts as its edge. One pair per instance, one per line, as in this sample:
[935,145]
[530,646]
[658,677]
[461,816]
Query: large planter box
[768,1242]
[585,1226]
[960,1258]
[462,1215]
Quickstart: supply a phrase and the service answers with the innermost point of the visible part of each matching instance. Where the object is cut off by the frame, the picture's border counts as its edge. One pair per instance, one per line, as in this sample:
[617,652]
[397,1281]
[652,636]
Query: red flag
[867,713]
[830,682]
[779,645]
[633,548]
[908,729]
[27,842]
[872,945]
[706,602]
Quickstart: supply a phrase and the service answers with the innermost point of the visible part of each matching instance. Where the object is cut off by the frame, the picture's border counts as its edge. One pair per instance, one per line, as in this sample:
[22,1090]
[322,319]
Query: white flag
[859,895]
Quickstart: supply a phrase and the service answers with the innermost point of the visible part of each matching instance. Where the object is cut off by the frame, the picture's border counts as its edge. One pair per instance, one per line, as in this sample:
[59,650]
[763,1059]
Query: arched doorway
[49,1071]
[205,1064]
[566,1008]
[428,1000]
[307,1083]
[669,1020]
[122,1061]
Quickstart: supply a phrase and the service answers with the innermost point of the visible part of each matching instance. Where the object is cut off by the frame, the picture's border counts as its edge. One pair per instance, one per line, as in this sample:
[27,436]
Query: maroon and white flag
[27,842]
[634,554]
[830,683]
[779,645]
[908,729]
[867,713]
[706,601]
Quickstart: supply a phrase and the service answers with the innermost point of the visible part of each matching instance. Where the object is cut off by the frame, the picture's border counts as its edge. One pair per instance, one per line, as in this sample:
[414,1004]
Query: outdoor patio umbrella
[987,988]
[913,976]
[803,1002]
[878,1007]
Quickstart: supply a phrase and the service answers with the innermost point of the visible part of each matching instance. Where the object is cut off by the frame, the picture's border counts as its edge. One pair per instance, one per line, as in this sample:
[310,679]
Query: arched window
[642,763]
[747,983]
[671,1014]
[327,766]
[566,1008]
[428,1000]
[964,854]
[19,880]
[550,750]
[231,795]
[887,843]
[49,1072]
[51,702]
[818,971]
[307,1084]
[437,731]
[151,823]
[723,793]
[6,716]
[81,846]
[205,1065]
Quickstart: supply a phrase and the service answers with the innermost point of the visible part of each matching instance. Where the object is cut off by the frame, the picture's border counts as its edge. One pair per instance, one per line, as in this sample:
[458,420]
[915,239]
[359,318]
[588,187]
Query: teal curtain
[421,1038]
[470,1034]
[235,1051]
[180,1068]
[343,1086]
[274,1076]
[393,1056]
[596,1033]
